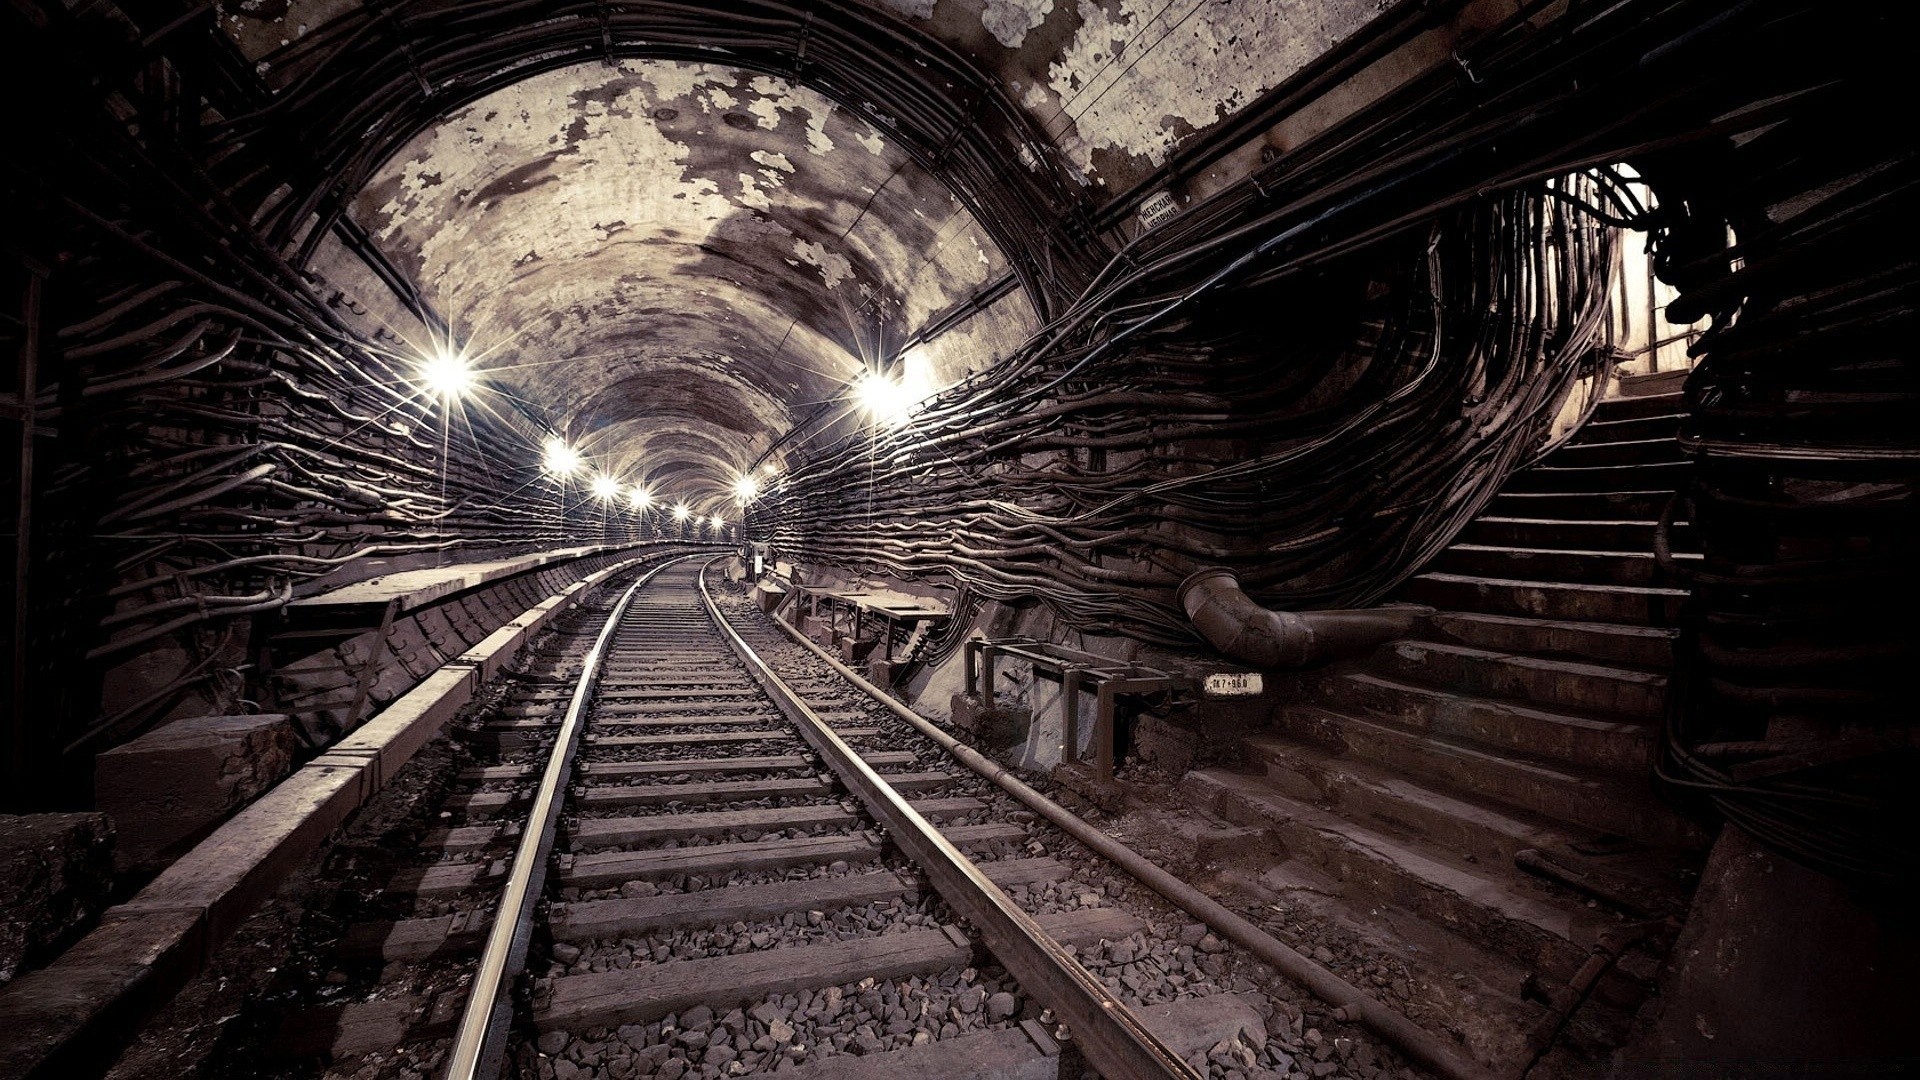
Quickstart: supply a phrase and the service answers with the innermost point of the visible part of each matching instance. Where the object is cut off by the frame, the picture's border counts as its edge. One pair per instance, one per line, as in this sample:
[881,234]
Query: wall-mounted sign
[1233,684]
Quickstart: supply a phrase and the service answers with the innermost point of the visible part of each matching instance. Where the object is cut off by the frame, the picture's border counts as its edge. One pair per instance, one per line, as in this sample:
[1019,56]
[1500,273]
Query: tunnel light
[746,489]
[716,522]
[559,459]
[446,375]
[883,398]
[606,487]
[680,511]
[639,498]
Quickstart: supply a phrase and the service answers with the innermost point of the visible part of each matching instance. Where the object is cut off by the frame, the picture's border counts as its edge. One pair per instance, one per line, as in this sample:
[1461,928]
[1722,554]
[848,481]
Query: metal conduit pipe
[1232,623]
[1349,1002]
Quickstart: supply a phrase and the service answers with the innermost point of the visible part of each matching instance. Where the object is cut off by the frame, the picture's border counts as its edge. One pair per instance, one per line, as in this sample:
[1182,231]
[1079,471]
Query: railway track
[680,845]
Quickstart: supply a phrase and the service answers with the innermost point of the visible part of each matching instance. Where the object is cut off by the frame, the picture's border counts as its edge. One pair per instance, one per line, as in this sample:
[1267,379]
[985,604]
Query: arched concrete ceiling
[1118,84]
[674,261]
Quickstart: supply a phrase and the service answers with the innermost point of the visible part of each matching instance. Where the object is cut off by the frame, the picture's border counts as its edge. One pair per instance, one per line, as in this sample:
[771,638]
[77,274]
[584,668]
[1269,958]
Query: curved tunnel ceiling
[675,262]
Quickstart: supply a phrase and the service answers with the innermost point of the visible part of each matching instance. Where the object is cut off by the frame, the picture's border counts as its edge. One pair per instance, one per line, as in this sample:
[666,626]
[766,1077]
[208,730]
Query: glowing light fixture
[883,398]
[680,512]
[639,498]
[559,459]
[606,487]
[746,489]
[446,375]
[716,522]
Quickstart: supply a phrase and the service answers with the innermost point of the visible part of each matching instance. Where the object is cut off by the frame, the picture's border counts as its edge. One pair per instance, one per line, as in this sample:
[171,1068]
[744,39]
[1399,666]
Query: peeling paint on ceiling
[676,260]
[1009,20]
[1141,75]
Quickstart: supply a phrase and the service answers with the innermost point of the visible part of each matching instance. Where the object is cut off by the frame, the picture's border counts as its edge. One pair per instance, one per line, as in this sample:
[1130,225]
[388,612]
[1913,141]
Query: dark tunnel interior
[1248,539]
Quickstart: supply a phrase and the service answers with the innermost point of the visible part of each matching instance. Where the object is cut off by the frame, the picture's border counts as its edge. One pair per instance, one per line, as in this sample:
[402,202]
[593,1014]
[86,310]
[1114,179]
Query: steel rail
[1110,1035]
[479,1041]
[1350,1002]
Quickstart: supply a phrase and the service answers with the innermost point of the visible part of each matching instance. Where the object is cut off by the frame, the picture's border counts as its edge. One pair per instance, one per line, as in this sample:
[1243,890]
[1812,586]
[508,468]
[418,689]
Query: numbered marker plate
[1233,684]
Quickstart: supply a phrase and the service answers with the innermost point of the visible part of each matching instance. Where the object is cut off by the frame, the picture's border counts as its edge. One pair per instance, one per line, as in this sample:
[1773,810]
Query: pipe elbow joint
[1230,621]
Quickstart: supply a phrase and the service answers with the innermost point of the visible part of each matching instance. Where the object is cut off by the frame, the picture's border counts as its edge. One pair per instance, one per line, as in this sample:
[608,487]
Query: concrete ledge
[409,626]
[74,1015]
[392,737]
[417,588]
[225,878]
[56,871]
[70,1019]
[168,788]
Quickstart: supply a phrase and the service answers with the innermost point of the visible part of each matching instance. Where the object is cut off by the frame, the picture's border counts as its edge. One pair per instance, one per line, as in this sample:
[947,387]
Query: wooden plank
[744,690]
[713,907]
[982,835]
[618,724]
[484,773]
[1006,1054]
[637,687]
[466,837]
[677,708]
[361,1027]
[608,918]
[599,798]
[697,738]
[418,939]
[448,880]
[492,727]
[917,781]
[652,829]
[618,832]
[643,994]
[619,867]
[484,802]
[621,770]
[1007,873]
[1089,926]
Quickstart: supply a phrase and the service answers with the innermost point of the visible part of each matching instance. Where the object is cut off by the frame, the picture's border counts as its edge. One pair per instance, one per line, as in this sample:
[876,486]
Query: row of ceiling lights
[449,375]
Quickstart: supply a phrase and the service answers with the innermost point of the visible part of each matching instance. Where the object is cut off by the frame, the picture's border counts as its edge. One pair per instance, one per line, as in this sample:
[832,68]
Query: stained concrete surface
[55,874]
[171,786]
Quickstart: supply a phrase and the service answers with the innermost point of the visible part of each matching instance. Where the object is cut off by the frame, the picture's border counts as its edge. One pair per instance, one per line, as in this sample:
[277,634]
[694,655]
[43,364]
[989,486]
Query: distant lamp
[716,522]
[446,375]
[639,498]
[560,459]
[680,512]
[606,487]
[882,398]
[746,489]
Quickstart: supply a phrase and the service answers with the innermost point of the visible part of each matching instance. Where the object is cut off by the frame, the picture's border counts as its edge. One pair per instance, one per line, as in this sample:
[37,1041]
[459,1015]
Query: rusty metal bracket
[1077,669]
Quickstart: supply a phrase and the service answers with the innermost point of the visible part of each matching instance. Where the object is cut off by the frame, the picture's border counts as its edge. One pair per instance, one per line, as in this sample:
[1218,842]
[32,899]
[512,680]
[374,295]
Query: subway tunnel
[1252,539]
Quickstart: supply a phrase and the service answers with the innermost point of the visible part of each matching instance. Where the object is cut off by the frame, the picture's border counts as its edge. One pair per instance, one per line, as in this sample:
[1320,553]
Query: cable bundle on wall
[220,435]
[1318,440]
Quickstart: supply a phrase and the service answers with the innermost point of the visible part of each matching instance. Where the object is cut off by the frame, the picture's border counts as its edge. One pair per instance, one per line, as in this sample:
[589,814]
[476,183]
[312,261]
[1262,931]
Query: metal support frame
[889,618]
[1075,667]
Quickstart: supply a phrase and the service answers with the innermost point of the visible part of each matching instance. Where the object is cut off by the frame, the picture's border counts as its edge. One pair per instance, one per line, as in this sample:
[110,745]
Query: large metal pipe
[1232,623]
[1349,1002]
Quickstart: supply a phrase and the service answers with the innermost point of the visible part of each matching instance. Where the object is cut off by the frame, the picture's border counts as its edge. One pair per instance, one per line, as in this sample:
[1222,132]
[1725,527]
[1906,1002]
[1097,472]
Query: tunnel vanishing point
[1247,539]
